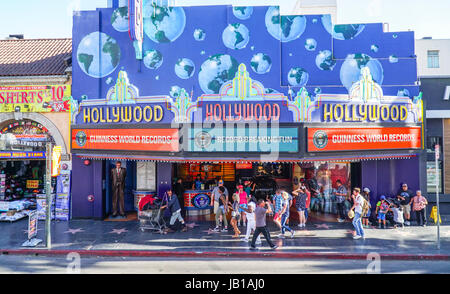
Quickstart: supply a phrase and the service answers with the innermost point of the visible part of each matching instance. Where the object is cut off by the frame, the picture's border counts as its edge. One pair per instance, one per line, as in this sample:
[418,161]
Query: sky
[53,18]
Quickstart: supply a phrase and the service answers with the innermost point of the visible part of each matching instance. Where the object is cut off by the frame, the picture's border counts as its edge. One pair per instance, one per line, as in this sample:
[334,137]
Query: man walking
[340,194]
[251,222]
[179,191]
[260,218]
[118,175]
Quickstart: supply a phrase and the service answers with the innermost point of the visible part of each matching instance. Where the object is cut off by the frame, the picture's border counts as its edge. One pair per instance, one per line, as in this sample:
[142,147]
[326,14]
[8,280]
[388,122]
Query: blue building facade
[299,82]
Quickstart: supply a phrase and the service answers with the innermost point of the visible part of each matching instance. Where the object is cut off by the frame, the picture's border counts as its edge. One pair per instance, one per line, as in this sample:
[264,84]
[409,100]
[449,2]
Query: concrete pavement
[318,239]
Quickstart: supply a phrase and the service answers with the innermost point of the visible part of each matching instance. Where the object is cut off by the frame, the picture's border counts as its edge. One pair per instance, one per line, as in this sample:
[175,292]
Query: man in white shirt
[358,202]
[251,221]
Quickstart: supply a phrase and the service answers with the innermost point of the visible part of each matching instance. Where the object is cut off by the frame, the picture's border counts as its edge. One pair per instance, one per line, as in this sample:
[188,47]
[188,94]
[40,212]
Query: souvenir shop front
[22,172]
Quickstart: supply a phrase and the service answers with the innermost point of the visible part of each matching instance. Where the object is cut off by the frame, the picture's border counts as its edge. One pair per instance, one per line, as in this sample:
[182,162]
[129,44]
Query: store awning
[175,159]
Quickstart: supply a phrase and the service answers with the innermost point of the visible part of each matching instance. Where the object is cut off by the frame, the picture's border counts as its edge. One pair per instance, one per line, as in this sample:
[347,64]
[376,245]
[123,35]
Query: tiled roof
[34,57]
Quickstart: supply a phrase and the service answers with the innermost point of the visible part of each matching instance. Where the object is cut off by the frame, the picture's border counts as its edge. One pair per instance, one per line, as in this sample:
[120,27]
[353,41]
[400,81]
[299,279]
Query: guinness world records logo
[202,139]
[81,138]
[201,201]
[320,139]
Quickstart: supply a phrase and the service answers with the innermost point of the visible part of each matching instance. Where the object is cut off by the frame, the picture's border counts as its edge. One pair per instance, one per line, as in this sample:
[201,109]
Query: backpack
[365,206]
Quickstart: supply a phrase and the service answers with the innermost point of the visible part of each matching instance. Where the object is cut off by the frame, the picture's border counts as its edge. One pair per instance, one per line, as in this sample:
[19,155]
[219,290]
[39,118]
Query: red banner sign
[126,139]
[353,139]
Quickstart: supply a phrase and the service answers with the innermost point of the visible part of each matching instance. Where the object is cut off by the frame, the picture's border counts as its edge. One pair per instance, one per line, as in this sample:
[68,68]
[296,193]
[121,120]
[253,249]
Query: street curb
[225,254]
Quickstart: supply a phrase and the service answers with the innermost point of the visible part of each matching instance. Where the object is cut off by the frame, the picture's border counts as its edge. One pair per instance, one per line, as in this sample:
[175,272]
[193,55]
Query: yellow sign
[56,161]
[32,184]
[433,215]
[45,98]
[364,112]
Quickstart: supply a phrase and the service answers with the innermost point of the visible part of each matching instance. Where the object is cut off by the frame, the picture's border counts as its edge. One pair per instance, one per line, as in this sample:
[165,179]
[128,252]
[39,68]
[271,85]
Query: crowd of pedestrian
[247,211]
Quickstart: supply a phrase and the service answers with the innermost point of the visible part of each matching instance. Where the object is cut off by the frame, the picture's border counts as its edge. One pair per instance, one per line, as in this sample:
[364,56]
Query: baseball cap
[383,197]
[220,182]
[404,185]
[240,186]
[366,190]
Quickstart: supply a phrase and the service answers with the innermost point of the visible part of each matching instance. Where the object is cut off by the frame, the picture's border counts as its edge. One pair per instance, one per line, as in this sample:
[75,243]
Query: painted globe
[243,12]
[215,71]
[341,32]
[163,24]
[298,77]
[199,35]
[325,60]
[261,63]
[119,19]
[284,28]
[235,36]
[98,54]
[184,68]
[153,59]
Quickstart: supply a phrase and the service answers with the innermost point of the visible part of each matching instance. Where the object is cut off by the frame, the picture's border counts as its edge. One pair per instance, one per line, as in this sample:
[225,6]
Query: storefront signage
[46,98]
[232,139]
[22,155]
[122,114]
[242,111]
[32,225]
[126,139]
[364,113]
[349,139]
[248,165]
[32,184]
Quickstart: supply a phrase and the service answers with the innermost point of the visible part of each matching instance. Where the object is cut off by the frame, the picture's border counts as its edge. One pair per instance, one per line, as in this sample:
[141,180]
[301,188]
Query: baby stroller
[150,214]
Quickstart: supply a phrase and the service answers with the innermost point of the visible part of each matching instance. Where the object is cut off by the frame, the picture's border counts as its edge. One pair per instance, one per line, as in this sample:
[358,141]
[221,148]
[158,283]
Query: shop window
[431,143]
[433,59]
[146,176]
[322,176]
[433,175]
[209,172]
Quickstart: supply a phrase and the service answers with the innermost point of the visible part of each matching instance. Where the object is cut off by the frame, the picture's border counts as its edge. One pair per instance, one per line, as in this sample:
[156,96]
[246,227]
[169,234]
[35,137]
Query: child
[382,209]
[235,215]
[398,216]
[365,218]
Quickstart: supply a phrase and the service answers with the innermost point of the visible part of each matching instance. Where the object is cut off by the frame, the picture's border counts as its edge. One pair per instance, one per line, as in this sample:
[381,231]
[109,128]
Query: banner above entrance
[354,139]
[126,139]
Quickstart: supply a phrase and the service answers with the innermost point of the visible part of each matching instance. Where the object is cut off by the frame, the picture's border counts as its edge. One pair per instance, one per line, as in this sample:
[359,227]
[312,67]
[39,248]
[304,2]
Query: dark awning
[245,160]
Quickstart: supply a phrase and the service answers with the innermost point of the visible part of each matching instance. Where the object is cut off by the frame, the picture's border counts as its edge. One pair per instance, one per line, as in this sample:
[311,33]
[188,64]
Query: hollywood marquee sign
[246,100]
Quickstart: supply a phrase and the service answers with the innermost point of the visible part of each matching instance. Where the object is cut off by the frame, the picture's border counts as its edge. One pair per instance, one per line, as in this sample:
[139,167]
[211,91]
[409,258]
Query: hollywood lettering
[242,112]
[122,114]
[364,112]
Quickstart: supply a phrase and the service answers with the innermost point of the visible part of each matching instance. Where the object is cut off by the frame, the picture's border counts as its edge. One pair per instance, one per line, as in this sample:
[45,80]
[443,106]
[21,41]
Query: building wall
[422,46]
[446,147]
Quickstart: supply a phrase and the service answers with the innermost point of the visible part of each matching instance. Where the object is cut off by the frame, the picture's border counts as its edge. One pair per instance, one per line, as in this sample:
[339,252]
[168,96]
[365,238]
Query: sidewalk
[319,239]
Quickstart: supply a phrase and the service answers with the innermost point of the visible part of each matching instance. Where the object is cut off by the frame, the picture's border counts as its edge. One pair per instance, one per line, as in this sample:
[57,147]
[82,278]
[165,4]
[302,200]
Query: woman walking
[419,204]
[235,215]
